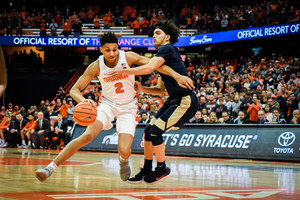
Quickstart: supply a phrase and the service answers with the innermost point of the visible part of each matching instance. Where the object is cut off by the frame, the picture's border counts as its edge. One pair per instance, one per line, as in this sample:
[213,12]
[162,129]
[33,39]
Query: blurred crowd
[140,17]
[247,90]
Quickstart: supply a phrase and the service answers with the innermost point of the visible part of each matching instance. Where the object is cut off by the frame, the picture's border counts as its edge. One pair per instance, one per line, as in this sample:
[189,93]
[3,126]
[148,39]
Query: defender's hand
[185,82]
[138,86]
[115,73]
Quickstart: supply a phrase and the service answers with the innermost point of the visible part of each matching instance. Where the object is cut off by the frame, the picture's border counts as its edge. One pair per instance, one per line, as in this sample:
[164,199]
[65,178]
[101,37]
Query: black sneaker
[139,177]
[156,176]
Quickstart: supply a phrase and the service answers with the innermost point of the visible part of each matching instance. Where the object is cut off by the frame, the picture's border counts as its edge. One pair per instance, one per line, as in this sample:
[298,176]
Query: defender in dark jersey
[181,105]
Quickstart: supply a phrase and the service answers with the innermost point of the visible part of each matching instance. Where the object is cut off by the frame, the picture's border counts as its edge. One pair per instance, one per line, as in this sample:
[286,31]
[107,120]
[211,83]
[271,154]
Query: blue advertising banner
[210,38]
[247,141]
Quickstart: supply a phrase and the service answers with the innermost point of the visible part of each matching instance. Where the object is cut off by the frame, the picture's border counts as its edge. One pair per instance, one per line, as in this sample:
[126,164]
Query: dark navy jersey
[173,59]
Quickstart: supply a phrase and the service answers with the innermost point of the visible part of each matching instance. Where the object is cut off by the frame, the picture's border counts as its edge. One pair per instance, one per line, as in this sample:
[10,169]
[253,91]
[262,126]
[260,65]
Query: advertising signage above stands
[210,38]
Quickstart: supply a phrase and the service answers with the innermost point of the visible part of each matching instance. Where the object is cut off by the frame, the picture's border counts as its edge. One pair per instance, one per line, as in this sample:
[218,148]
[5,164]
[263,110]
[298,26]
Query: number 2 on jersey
[119,87]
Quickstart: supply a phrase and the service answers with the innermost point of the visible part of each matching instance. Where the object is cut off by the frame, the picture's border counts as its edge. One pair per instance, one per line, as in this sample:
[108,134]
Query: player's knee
[124,152]
[86,138]
[155,136]
[147,133]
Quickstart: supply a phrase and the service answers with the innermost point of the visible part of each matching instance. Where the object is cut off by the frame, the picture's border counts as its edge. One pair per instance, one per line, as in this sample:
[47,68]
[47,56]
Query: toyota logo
[286,139]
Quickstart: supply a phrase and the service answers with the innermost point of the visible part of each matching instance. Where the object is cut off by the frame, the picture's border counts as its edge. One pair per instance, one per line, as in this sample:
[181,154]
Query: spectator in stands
[3,127]
[59,130]
[133,14]
[50,111]
[225,118]
[2,113]
[261,117]
[77,28]
[242,118]
[66,28]
[274,8]
[213,118]
[126,15]
[136,25]
[58,18]
[64,110]
[19,26]
[9,27]
[211,105]
[42,28]
[296,117]
[246,102]
[277,117]
[90,16]
[220,108]
[11,134]
[291,105]
[144,119]
[106,20]
[82,15]
[253,109]
[198,118]
[41,131]
[28,130]
[53,28]
[145,26]
[268,113]
[117,14]
[70,113]
[96,22]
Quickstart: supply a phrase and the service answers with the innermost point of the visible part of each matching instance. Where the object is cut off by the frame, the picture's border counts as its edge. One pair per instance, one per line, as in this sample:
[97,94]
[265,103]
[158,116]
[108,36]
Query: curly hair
[170,26]
[108,37]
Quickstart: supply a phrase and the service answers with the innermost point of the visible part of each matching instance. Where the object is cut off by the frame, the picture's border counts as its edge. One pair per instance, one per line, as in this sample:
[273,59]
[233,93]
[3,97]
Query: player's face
[160,37]
[110,52]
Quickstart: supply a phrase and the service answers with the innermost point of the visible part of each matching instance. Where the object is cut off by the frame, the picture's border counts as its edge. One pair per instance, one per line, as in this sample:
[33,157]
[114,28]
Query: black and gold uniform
[182,103]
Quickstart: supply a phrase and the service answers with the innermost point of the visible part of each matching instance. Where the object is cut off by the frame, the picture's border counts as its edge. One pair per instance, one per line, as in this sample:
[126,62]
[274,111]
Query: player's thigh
[178,113]
[105,115]
[126,123]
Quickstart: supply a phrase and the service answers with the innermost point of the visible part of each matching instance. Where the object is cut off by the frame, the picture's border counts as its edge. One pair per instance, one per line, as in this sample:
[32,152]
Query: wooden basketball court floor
[95,175]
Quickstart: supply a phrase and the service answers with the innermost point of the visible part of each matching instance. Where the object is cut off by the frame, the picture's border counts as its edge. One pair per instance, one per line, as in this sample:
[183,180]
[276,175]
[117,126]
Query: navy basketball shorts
[172,115]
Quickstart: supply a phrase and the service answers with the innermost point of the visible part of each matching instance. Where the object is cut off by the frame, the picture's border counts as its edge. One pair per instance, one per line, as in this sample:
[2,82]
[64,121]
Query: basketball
[84,114]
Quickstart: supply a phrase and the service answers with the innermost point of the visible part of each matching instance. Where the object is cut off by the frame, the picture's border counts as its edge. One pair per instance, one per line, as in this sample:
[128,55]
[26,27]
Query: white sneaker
[5,145]
[43,174]
[26,146]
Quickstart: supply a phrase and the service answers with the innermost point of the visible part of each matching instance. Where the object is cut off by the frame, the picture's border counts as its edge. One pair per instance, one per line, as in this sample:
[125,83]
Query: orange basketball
[84,114]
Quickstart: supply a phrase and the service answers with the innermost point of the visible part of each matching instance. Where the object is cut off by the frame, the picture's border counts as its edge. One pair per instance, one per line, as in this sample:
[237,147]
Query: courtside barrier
[247,141]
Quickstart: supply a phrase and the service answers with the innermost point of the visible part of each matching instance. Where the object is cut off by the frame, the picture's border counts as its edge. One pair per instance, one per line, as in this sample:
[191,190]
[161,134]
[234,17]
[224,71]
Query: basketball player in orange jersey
[2,73]
[118,101]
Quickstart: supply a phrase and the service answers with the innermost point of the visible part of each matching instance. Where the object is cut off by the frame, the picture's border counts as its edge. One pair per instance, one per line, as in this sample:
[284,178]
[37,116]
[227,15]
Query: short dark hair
[171,27]
[108,37]
[59,114]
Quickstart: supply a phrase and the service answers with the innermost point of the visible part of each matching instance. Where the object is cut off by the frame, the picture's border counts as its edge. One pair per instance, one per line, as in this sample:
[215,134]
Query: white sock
[52,165]
[3,141]
[23,142]
[29,143]
[122,159]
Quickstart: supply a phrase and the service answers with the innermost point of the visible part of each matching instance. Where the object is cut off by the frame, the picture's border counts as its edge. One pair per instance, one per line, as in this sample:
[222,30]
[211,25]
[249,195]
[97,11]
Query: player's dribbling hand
[185,82]
[92,102]
[115,73]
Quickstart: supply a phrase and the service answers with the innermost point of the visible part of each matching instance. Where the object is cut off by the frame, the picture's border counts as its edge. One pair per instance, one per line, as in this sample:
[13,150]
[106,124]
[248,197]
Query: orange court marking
[157,194]
[36,161]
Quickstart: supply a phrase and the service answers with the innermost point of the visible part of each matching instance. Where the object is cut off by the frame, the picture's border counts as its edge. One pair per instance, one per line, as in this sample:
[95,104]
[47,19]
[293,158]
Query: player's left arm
[148,66]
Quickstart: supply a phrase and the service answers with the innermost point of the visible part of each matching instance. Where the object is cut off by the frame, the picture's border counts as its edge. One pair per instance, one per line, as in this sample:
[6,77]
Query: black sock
[148,165]
[161,167]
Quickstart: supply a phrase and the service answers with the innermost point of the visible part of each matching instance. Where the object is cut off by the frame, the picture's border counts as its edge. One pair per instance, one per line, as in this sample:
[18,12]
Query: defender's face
[159,37]
[110,52]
